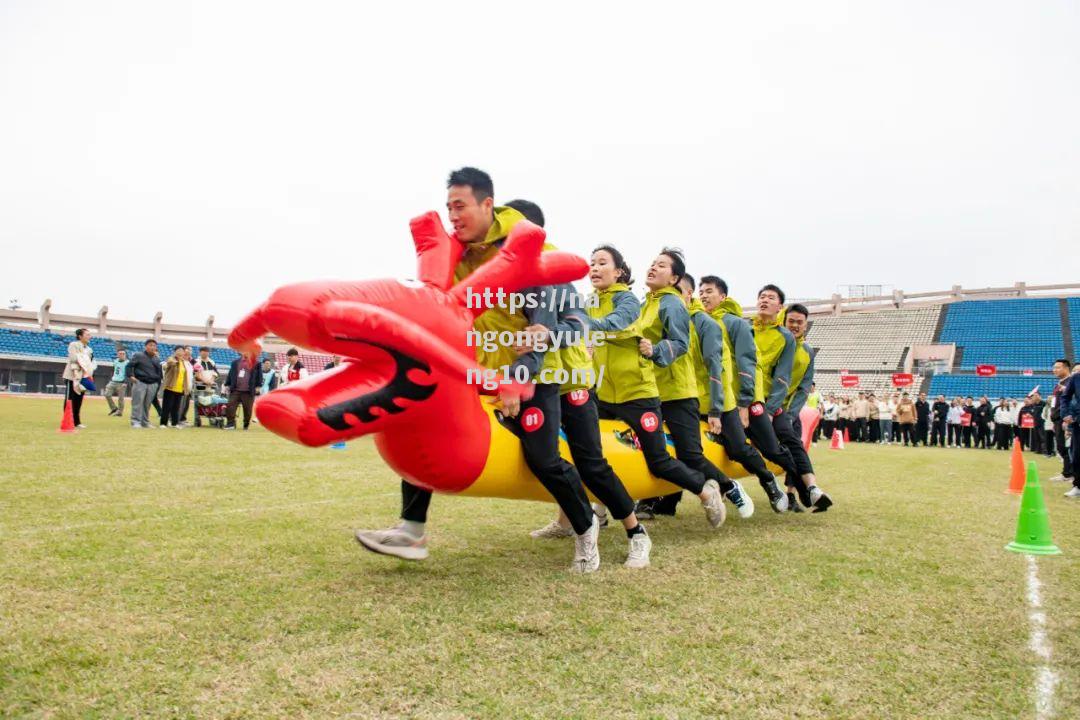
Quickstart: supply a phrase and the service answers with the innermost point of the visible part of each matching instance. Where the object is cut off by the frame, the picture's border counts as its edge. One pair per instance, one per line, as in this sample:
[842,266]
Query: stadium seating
[1015,334]
[35,343]
[1010,386]
[1074,326]
[870,341]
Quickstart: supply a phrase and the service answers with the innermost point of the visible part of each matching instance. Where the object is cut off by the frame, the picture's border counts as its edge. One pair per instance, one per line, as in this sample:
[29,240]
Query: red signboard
[1029,373]
[849,381]
[986,370]
[902,379]
[1026,421]
[965,419]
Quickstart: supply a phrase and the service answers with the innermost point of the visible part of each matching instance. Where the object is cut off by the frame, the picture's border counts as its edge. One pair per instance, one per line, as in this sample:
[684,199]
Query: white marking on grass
[1046,679]
[213,513]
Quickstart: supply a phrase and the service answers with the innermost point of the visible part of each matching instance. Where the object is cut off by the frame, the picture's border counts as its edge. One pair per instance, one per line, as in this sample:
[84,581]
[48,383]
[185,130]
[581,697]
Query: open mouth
[379,403]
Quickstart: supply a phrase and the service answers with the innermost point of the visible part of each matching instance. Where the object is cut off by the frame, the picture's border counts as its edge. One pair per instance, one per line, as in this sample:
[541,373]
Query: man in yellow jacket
[787,424]
[482,227]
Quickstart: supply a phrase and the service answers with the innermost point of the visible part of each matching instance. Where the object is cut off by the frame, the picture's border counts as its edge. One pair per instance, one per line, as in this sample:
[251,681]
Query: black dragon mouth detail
[400,386]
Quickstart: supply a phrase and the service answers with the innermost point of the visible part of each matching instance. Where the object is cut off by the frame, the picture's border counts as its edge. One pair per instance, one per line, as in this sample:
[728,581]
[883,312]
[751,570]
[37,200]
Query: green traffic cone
[1033,524]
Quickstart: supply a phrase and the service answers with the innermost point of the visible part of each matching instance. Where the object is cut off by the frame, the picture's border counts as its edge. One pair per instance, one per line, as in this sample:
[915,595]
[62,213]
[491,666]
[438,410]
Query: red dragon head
[404,343]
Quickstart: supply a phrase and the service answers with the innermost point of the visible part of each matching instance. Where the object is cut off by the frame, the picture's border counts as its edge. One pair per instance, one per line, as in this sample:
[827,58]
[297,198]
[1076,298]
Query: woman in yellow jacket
[627,363]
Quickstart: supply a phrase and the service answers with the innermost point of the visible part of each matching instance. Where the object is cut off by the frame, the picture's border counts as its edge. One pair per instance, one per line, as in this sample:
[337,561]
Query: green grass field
[199,573]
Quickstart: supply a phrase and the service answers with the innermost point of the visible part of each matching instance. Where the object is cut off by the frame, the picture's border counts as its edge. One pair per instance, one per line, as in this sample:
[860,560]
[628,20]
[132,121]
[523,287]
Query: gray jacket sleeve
[626,311]
[781,382]
[542,314]
[745,360]
[798,400]
[711,341]
[676,322]
[572,323]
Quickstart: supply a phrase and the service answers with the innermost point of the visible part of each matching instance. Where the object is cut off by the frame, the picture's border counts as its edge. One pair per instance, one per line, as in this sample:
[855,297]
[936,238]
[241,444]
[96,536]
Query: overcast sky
[191,157]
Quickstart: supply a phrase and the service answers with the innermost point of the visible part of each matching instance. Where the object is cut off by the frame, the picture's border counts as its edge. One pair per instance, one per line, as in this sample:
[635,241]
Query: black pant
[982,434]
[968,431]
[170,408]
[762,434]
[1048,442]
[1063,451]
[244,399]
[1002,436]
[683,422]
[157,406]
[537,425]
[739,449]
[922,433]
[827,428]
[938,433]
[788,431]
[414,502]
[861,432]
[76,399]
[581,423]
[873,430]
[817,431]
[1074,449]
[955,435]
[652,441]
[907,432]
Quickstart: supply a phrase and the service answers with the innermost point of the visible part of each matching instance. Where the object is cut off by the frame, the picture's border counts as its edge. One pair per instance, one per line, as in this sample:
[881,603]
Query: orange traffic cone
[1016,481]
[67,425]
[847,438]
[837,441]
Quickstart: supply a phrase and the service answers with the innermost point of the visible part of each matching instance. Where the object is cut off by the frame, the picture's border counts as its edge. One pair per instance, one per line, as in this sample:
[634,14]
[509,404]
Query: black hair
[292,351]
[151,340]
[714,280]
[204,347]
[478,180]
[529,209]
[690,279]
[121,349]
[620,263]
[779,293]
[1064,362]
[79,333]
[678,262]
[798,308]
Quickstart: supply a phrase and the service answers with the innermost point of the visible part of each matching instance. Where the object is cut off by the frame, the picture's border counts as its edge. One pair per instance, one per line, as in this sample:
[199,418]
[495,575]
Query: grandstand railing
[208,333]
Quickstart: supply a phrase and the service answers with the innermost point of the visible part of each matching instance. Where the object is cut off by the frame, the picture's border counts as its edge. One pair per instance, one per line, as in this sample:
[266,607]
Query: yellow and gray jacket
[665,322]
[776,354]
[711,364]
[740,350]
[802,377]
[572,325]
[623,374]
[498,318]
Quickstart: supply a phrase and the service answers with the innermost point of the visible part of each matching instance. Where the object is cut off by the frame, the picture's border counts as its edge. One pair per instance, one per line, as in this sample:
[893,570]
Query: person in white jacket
[1003,423]
[294,370]
[80,364]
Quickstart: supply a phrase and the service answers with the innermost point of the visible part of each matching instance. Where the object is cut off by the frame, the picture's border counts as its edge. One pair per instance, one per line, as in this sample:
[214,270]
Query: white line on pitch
[1046,679]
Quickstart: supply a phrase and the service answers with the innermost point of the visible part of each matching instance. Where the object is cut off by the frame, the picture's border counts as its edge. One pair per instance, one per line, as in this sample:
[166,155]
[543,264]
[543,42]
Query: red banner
[1026,421]
[965,419]
[1029,373]
[986,370]
[902,379]
[849,381]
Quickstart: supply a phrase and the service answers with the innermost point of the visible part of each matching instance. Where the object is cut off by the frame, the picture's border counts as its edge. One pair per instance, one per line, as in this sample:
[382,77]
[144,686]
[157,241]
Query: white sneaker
[741,500]
[394,541]
[601,514]
[713,503]
[638,557]
[1074,492]
[552,531]
[586,552]
[81,426]
[1056,478]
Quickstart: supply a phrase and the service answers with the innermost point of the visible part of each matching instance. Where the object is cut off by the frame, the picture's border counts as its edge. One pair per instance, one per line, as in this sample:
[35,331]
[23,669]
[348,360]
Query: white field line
[1046,679]
[169,518]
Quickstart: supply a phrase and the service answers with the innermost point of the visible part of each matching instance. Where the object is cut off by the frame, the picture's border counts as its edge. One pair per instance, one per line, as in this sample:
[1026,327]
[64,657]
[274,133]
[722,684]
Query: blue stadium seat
[1018,334]
[1010,386]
